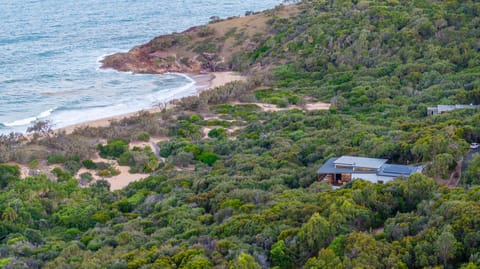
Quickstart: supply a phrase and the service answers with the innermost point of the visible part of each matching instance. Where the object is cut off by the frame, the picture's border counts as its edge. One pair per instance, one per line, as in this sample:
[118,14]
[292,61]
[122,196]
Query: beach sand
[204,82]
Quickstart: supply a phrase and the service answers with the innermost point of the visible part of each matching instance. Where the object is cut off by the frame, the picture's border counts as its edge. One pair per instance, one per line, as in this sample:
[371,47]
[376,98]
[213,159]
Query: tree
[472,174]
[316,233]
[445,245]
[417,188]
[40,128]
[9,214]
[441,164]
[245,261]
[326,260]
[207,158]
[279,256]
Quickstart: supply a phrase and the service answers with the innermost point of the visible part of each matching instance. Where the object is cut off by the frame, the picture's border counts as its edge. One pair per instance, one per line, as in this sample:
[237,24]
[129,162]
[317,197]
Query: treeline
[191,221]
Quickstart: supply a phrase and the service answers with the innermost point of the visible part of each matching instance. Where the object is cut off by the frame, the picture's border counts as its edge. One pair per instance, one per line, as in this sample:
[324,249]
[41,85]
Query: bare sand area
[274,108]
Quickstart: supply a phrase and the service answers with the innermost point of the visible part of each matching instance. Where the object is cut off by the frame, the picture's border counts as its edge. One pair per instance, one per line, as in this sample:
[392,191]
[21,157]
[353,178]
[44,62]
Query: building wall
[372,178]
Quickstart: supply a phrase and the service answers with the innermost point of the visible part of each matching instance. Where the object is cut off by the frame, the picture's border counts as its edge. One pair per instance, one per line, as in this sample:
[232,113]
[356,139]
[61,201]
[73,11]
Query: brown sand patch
[317,106]
[274,108]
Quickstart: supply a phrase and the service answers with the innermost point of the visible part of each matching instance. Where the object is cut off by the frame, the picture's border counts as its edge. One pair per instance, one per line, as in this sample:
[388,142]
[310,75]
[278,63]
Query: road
[469,157]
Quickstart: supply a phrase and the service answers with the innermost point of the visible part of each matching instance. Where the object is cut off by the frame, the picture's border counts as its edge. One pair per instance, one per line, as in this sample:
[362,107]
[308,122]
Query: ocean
[50,52]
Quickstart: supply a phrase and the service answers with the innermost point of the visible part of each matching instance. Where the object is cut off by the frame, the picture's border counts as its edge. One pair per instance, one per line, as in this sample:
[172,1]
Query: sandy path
[222,78]
[125,178]
[120,181]
[272,108]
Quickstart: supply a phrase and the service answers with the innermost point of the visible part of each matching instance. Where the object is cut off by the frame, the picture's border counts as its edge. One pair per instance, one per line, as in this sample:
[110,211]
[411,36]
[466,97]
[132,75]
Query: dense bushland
[245,194]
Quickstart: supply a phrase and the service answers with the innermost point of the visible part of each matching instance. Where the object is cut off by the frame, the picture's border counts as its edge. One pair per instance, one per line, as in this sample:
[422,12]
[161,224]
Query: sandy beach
[203,82]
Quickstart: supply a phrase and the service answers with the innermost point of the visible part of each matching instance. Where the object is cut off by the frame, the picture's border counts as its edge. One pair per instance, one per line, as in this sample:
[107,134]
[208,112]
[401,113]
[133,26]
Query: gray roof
[360,162]
[389,170]
[398,170]
[329,168]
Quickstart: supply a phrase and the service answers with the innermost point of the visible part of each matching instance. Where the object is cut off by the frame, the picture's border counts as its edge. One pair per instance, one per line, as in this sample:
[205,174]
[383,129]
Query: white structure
[446,108]
[339,171]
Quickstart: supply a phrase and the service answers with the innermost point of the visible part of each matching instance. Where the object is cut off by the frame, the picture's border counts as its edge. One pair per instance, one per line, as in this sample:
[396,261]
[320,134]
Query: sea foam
[29,120]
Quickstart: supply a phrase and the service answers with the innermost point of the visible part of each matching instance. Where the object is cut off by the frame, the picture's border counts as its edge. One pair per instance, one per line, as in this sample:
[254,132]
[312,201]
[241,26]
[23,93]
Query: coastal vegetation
[229,184]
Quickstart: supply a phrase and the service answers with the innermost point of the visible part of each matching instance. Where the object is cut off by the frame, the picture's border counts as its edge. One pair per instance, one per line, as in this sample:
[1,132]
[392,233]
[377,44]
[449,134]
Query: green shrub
[8,173]
[89,164]
[85,239]
[168,148]
[114,148]
[208,158]
[195,150]
[4,262]
[126,159]
[33,236]
[103,165]
[195,118]
[61,175]
[34,164]
[109,172]
[144,137]
[232,203]
[94,244]
[72,234]
[182,159]
[72,166]
[217,133]
[56,158]
[209,46]
[87,177]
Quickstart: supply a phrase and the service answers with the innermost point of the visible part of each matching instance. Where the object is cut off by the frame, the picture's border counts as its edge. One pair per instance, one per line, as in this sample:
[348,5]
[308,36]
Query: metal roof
[329,168]
[398,170]
[387,170]
[360,162]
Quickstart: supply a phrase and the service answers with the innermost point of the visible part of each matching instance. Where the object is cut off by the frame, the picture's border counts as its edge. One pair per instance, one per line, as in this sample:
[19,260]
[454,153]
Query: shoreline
[203,82]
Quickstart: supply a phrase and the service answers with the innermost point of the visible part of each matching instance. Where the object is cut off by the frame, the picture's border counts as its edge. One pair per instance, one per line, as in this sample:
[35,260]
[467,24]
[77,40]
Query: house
[343,170]
[446,108]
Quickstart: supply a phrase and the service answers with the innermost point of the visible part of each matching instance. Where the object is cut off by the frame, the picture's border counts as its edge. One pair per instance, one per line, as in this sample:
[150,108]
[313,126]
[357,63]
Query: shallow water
[49,53]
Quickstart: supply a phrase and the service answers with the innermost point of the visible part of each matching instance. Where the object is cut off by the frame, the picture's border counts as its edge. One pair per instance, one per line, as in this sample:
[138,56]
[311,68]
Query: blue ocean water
[49,53]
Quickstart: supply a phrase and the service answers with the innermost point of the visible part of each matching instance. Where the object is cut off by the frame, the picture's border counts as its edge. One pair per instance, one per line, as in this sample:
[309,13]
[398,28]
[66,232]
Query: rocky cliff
[217,46]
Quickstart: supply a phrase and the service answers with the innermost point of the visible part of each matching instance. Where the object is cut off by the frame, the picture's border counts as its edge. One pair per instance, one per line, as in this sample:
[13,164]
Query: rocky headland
[217,46]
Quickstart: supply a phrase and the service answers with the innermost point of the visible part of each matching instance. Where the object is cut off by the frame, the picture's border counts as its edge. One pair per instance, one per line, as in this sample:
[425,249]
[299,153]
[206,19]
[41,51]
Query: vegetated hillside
[212,47]
[237,187]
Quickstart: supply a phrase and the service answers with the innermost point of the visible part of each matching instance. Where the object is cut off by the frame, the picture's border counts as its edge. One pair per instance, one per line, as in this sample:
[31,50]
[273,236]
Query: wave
[189,78]
[20,122]
[170,93]
[46,113]
[29,120]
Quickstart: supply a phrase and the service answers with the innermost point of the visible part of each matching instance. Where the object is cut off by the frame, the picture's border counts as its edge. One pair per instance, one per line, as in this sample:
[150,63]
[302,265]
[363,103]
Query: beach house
[343,170]
[440,109]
